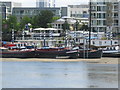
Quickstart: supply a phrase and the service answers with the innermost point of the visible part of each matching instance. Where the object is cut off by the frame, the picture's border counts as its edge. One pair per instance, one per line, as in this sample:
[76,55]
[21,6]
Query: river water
[59,75]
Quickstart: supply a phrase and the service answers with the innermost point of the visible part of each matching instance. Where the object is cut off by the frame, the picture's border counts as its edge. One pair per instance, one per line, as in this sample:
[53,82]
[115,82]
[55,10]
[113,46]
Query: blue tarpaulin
[4,42]
[91,37]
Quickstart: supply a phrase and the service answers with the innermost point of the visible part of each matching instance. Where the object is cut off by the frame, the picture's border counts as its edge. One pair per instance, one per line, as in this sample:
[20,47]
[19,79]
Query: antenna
[54,3]
[49,3]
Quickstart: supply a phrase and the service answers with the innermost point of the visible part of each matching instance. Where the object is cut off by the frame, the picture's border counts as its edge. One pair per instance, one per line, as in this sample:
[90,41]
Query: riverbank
[97,61]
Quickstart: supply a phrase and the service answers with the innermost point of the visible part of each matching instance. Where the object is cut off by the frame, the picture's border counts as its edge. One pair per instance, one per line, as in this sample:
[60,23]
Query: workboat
[90,54]
[111,52]
[56,53]
[14,53]
[39,53]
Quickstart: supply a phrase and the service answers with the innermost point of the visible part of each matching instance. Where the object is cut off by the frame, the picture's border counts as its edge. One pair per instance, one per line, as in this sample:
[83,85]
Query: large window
[101,8]
[101,15]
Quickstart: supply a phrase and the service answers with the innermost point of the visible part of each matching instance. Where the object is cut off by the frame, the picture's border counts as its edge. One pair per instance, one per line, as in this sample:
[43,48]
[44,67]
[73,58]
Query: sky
[59,3]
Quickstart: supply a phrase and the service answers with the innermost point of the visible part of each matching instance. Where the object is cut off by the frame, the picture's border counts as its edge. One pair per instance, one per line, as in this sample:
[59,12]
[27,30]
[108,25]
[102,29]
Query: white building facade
[7,8]
[104,16]
[79,11]
[45,3]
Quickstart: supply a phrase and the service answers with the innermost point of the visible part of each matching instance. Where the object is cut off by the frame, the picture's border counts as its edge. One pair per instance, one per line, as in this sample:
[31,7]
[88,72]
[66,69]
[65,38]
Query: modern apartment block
[30,12]
[105,16]
[79,11]
[7,8]
[45,3]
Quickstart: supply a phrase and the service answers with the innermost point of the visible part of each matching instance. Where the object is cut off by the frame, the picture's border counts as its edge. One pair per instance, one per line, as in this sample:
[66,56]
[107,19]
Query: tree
[9,24]
[55,18]
[84,27]
[76,26]
[25,20]
[5,26]
[66,26]
[44,18]
[34,22]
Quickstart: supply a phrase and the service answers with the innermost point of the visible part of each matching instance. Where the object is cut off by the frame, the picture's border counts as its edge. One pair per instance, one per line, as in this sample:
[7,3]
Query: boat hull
[56,54]
[41,54]
[116,55]
[90,54]
[19,54]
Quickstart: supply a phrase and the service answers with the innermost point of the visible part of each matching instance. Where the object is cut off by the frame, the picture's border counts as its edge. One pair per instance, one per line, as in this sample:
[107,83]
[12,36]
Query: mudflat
[97,61]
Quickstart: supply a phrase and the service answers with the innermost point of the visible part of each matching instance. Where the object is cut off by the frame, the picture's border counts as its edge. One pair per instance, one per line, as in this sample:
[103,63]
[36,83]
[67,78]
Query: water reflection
[58,75]
[105,76]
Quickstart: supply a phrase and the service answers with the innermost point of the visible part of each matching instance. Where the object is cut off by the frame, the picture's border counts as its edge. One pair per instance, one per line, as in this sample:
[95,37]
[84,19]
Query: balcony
[37,38]
[115,24]
[115,17]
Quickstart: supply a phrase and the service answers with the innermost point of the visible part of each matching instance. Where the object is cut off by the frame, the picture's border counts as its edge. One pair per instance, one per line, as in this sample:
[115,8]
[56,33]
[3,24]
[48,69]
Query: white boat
[111,52]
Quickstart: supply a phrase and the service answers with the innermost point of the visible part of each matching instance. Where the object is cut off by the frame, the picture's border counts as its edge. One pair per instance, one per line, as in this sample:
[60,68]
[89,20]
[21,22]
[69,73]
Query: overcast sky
[32,3]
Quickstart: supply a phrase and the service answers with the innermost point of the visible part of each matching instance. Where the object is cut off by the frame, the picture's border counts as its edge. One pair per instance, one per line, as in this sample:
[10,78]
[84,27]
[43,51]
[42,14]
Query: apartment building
[30,12]
[104,16]
[79,11]
[7,8]
[45,3]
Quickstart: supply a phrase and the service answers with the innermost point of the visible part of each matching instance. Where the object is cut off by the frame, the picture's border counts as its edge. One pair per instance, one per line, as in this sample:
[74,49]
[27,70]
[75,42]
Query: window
[21,11]
[115,42]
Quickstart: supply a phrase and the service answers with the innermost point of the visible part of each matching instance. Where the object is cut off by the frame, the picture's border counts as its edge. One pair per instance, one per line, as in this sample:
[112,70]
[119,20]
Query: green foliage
[66,26]
[9,24]
[43,18]
[4,25]
[118,36]
[17,28]
[25,20]
[84,27]
[103,38]
[55,18]
[34,22]
[12,21]
[76,26]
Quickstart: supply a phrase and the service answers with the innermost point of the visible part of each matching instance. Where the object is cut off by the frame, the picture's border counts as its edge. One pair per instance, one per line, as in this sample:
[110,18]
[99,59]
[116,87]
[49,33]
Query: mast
[90,24]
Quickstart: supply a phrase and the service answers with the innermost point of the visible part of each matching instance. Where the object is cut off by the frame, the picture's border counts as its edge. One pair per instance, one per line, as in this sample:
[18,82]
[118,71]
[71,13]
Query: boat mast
[90,24]
[12,35]
[44,39]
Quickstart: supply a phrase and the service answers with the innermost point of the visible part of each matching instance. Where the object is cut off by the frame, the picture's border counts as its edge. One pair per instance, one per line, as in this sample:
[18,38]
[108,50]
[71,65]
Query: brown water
[36,74]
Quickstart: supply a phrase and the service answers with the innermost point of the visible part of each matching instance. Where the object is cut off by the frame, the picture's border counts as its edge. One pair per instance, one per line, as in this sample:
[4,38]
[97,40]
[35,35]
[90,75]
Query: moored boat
[90,54]
[26,53]
[56,53]
[111,52]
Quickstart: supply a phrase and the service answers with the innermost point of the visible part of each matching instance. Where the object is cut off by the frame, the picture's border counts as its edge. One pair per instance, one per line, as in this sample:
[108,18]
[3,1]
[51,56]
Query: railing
[38,38]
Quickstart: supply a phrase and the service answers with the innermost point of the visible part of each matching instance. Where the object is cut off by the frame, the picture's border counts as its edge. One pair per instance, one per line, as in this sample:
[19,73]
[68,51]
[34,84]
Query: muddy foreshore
[97,61]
